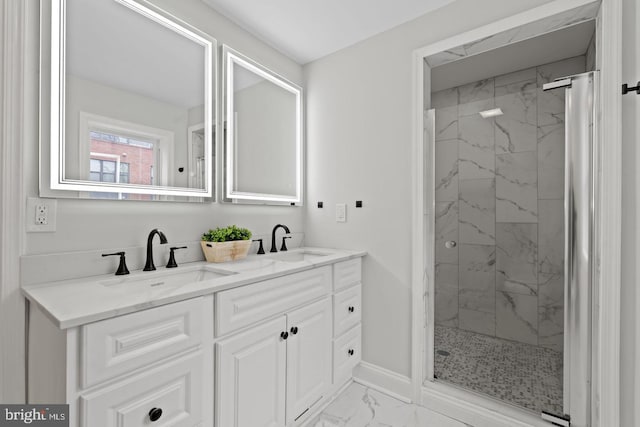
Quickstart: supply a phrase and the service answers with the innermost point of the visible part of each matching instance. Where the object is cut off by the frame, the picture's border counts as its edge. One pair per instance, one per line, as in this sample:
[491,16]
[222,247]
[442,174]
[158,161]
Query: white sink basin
[297,256]
[251,264]
[161,280]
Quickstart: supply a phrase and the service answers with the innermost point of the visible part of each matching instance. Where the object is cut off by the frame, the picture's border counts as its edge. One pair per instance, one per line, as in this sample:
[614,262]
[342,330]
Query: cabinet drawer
[176,388]
[245,305]
[346,309]
[346,354]
[347,273]
[116,346]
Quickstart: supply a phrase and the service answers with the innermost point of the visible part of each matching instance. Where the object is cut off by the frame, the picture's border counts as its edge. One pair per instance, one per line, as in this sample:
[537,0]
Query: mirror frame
[232,57]
[56,116]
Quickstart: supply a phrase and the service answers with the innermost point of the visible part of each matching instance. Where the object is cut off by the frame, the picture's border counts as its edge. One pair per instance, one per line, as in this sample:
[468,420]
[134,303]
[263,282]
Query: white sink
[164,279]
[297,256]
[251,264]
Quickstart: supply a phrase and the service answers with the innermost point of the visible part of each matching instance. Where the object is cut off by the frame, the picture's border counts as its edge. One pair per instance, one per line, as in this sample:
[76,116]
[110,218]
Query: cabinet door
[308,357]
[251,377]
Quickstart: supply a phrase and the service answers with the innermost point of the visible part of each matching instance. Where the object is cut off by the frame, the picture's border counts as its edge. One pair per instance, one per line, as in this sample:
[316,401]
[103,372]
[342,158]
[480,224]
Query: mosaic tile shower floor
[517,373]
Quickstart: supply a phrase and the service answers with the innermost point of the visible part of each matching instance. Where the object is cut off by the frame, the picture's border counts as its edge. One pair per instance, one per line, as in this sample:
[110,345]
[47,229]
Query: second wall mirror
[264,134]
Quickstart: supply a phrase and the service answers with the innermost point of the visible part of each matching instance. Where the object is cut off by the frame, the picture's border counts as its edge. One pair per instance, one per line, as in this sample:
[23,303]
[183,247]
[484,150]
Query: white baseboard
[476,410]
[384,380]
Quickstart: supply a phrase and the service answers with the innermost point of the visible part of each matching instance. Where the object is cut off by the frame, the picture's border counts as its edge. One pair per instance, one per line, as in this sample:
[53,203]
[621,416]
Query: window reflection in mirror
[118,158]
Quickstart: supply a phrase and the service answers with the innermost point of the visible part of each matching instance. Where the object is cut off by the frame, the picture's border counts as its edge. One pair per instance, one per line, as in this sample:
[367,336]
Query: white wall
[86,224]
[630,293]
[359,147]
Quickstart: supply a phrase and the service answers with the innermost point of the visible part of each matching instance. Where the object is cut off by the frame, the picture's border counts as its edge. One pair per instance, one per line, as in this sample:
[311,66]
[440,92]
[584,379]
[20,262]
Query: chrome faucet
[273,236]
[148,266]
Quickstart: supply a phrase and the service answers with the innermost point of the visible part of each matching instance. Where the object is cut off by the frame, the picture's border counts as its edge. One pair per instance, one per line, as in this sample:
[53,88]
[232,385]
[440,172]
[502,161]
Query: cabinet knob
[351,309]
[294,330]
[351,352]
[284,335]
[155,414]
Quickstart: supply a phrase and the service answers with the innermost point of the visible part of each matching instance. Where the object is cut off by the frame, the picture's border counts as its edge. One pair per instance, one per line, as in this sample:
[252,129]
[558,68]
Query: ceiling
[550,47]
[306,30]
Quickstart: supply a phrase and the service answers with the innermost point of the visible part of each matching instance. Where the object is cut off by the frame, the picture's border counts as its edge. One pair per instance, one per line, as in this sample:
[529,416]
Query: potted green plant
[226,243]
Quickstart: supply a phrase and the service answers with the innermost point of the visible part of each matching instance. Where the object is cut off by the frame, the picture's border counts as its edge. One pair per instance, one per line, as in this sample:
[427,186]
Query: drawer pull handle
[155,414]
[284,335]
[294,330]
[351,352]
[351,309]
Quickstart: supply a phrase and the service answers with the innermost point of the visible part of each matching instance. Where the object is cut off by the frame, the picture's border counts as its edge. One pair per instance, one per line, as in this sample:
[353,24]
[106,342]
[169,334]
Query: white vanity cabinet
[265,351]
[151,367]
[275,372]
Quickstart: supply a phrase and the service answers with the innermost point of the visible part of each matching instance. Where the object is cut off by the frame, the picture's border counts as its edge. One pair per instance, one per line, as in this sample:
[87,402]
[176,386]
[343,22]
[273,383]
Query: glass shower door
[502,317]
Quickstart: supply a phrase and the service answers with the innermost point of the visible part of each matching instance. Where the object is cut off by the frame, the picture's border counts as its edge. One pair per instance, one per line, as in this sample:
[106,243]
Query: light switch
[341,212]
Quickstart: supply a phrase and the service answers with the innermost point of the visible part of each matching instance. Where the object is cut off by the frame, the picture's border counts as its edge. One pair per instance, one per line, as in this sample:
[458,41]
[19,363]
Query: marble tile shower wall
[499,195]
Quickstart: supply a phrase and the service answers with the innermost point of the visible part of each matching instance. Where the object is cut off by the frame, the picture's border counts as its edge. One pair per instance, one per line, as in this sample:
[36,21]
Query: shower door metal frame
[581,160]
[581,187]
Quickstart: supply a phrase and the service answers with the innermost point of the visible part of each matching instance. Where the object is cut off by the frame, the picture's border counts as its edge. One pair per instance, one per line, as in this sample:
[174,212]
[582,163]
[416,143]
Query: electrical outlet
[41,215]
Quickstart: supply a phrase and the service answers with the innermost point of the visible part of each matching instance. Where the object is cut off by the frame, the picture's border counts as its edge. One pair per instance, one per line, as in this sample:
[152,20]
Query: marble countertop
[75,302]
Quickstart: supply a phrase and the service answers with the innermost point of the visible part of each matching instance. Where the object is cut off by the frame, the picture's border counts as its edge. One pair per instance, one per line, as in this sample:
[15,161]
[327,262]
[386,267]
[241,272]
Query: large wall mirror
[263,134]
[132,102]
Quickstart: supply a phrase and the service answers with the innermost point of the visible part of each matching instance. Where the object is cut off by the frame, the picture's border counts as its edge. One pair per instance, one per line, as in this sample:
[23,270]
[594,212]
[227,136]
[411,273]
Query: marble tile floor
[360,406]
[518,373]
